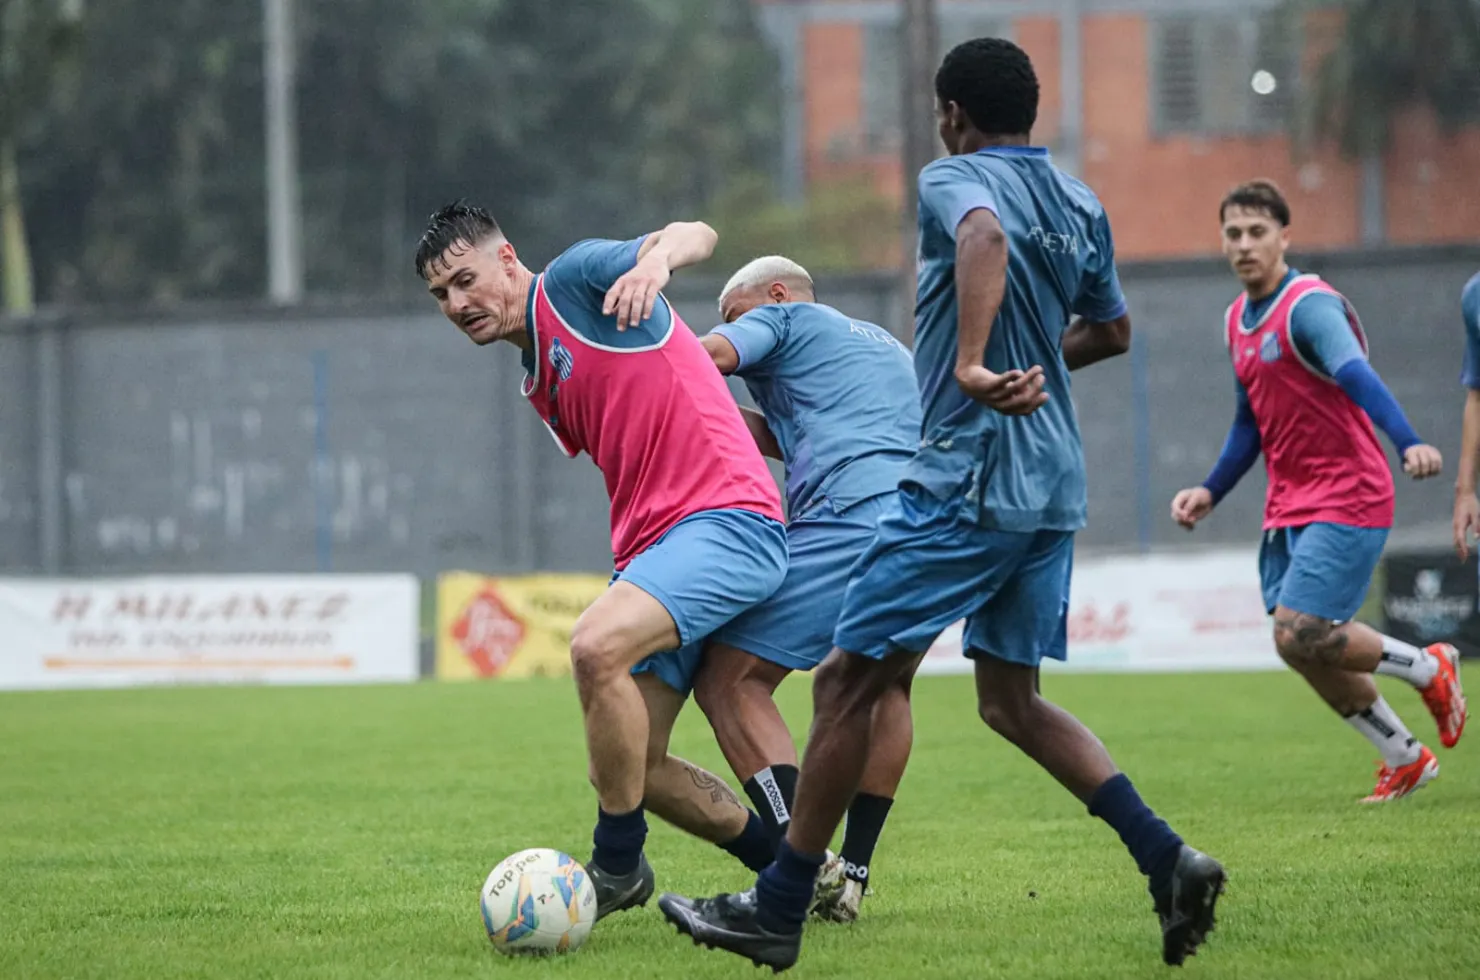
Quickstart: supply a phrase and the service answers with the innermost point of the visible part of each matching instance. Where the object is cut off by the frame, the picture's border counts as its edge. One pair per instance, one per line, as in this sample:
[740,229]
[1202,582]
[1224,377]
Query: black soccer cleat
[1186,907]
[728,922]
[615,893]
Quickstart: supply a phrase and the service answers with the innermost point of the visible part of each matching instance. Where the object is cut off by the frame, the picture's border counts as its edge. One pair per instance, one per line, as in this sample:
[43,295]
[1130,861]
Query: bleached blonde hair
[764,271]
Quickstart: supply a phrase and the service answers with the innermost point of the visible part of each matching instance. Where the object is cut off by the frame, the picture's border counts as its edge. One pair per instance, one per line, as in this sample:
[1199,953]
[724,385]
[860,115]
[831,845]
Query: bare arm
[1469,446]
[981,282]
[765,439]
[1087,342]
[722,352]
[634,294]
[679,244]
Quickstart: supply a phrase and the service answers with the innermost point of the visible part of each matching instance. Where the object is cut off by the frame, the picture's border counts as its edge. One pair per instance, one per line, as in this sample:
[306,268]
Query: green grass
[345,832]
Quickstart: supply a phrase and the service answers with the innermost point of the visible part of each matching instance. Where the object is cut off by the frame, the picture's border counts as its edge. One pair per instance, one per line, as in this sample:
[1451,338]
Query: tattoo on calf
[718,791]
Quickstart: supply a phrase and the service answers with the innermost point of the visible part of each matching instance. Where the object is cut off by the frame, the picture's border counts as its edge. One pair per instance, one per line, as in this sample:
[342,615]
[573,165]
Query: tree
[1391,56]
[566,119]
[37,45]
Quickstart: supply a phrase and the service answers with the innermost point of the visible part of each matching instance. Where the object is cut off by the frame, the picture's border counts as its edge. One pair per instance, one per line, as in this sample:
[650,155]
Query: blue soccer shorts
[794,627]
[1320,569]
[929,567]
[707,569]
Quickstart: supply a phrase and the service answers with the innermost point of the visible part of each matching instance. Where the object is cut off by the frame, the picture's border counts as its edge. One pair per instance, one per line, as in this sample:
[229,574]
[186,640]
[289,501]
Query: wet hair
[993,82]
[1261,196]
[450,224]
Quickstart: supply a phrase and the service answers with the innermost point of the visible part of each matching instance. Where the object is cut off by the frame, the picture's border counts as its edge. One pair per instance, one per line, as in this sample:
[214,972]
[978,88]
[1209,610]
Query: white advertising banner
[1155,613]
[272,629]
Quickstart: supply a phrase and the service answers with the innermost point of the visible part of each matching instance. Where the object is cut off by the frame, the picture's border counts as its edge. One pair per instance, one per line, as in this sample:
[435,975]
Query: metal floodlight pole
[920,39]
[284,217]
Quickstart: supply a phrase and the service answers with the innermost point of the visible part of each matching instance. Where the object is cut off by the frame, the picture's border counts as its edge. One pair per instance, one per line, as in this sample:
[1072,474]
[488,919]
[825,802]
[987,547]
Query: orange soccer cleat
[1396,782]
[1445,697]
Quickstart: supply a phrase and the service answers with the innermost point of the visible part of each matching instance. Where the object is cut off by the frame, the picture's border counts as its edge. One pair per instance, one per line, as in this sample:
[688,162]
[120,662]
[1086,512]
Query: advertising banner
[513,626]
[275,629]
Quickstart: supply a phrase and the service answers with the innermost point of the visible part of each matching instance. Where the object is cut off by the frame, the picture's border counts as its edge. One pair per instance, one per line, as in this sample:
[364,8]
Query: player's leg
[1020,625]
[792,630]
[891,737]
[921,574]
[706,570]
[735,691]
[1329,569]
[690,798]
[618,630]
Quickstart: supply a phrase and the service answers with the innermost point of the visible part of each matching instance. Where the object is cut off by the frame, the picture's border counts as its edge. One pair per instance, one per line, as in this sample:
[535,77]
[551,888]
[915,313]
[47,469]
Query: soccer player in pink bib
[1307,399]
[696,519]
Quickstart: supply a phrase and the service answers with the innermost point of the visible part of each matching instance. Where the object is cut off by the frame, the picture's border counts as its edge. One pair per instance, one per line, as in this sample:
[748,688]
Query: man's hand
[633,296]
[1466,523]
[1192,505]
[1011,393]
[1421,462]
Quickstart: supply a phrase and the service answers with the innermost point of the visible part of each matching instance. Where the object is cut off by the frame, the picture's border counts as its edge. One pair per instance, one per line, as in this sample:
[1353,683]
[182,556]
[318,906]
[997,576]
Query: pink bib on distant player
[658,421]
[1321,452]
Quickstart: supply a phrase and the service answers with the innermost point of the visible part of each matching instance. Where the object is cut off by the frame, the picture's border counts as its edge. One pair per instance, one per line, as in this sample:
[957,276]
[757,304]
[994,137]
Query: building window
[883,65]
[1222,75]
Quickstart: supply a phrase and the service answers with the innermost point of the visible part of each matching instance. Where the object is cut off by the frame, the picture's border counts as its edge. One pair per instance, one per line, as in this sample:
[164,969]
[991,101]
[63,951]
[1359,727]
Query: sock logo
[857,872]
[768,786]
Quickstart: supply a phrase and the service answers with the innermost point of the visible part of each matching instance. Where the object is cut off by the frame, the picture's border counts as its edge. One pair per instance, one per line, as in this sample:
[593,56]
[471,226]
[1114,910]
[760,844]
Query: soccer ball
[538,901]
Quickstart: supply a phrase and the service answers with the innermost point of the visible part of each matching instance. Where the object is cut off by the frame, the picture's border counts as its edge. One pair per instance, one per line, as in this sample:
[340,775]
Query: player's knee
[595,656]
[845,683]
[1302,639]
[1008,717]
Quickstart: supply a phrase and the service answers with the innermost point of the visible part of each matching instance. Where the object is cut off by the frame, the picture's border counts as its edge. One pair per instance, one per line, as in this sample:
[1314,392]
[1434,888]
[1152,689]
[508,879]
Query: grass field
[344,833]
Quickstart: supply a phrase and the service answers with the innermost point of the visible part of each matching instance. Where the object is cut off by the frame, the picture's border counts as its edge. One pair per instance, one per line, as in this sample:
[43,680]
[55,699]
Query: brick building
[1160,105]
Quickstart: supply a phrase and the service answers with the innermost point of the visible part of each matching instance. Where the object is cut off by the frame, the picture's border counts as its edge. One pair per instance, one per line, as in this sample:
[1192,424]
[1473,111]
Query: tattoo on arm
[709,783]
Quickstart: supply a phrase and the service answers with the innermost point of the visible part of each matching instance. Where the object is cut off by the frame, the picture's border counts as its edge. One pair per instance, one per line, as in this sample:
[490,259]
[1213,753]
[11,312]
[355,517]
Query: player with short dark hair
[1466,505]
[1017,287]
[696,524]
[838,407]
[1307,399]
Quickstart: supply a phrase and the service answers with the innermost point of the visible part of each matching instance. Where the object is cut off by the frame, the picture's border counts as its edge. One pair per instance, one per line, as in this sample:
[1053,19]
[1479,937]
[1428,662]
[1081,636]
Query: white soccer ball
[537,902]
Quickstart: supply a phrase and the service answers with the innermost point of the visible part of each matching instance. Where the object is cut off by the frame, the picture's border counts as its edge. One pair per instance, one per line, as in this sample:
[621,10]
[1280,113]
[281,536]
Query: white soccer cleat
[830,882]
[845,907]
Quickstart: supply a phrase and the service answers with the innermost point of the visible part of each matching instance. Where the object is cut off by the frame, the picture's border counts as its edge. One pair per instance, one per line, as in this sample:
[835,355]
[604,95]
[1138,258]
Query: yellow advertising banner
[516,626]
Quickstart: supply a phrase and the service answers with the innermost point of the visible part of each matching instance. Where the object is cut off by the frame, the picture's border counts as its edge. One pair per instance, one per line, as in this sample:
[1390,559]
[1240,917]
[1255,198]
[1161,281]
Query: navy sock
[772,790]
[784,890]
[1152,843]
[753,846]
[618,838]
[866,818]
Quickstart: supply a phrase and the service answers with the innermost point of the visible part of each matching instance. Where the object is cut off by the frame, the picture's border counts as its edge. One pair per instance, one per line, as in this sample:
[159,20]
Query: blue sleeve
[1470,306]
[595,263]
[1363,386]
[577,283]
[1322,333]
[756,335]
[1240,449]
[950,189]
[1100,299]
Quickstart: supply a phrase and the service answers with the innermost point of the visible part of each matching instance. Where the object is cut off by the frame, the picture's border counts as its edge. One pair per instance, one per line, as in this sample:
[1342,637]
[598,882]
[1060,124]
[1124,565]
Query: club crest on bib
[561,359]
[1269,348]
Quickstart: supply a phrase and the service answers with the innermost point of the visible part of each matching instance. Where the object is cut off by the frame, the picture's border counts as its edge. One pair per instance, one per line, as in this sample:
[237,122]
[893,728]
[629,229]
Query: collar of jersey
[1015,151]
[528,356]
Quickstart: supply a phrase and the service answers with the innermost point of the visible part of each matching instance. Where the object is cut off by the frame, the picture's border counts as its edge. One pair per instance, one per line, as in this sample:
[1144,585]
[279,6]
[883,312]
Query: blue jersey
[1470,306]
[577,283]
[838,394]
[1014,473]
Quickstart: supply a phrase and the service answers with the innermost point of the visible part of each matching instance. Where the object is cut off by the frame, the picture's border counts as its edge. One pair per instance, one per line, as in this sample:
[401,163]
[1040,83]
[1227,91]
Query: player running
[696,524]
[983,524]
[1466,506]
[838,406]
[1307,398]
